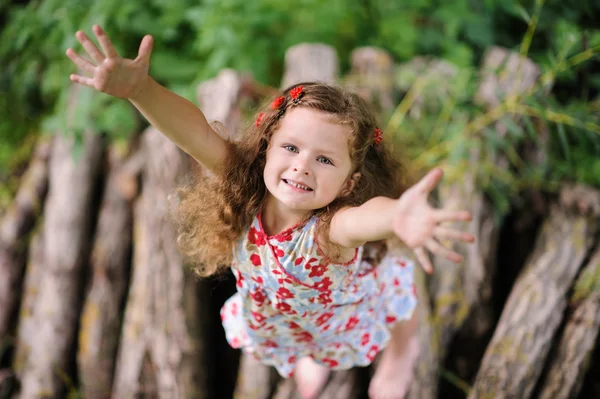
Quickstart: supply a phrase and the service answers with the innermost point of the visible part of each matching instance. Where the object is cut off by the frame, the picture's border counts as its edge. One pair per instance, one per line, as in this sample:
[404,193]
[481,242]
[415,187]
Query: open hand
[108,72]
[419,225]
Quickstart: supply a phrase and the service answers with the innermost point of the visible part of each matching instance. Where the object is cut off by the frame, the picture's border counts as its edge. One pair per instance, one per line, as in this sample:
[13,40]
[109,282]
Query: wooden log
[162,337]
[512,362]
[463,293]
[26,329]
[426,371]
[110,263]
[372,77]
[255,381]
[571,360]
[14,234]
[310,62]
[67,227]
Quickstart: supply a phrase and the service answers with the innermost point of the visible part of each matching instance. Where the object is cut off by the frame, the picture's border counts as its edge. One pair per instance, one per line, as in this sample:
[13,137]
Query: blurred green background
[194,39]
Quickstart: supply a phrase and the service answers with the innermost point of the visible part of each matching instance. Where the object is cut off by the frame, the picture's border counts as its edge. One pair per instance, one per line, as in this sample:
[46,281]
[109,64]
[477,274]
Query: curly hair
[215,210]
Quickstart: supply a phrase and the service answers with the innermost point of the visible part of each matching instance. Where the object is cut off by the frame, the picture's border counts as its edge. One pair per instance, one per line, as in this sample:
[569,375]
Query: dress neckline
[283,233]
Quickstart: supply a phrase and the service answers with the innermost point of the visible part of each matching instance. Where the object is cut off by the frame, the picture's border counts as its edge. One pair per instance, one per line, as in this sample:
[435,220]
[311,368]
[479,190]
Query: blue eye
[291,148]
[324,160]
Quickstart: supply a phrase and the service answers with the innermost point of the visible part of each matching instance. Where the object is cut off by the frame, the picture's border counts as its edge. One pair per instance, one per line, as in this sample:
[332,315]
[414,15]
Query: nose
[300,166]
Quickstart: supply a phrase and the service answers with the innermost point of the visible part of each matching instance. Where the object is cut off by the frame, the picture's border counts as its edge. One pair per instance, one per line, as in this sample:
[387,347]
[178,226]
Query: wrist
[144,89]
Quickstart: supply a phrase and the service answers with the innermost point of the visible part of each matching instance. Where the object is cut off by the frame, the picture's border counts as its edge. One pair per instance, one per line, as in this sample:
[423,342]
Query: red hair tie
[259,118]
[296,93]
[277,102]
[377,136]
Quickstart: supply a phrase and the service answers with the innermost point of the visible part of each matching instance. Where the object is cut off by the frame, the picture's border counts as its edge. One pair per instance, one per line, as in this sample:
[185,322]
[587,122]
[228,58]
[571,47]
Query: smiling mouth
[297,185]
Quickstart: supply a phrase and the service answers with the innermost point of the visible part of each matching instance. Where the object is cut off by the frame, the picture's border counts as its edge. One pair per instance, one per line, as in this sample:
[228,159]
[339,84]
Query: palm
[419,225]
[108,72]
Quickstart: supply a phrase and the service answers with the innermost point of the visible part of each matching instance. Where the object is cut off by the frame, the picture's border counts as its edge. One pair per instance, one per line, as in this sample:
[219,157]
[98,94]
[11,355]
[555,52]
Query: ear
[349,184]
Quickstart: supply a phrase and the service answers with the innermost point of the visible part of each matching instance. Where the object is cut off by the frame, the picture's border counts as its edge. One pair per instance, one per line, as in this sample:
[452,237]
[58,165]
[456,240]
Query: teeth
[291,183]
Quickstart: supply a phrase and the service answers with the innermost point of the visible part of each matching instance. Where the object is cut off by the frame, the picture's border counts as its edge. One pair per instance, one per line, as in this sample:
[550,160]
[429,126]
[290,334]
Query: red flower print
[402,263]
[317,270]
[278,252]
[324,284]
[292,359]
[293,325]
[285,308]
[308,264]
[256,237]
[365,339]
[324,318]
[284,280]
[284,236]
[390,319]
[383,285]
[373,352]
[235,342]
[234,309]
[298,261]
[223,317]
[258,296]
[258,279]
[277,102]
[352,322]
[303,336]
[284,293]
[396,281]
[270,344]
[258,317]
[325,298]
[331,363]
[325,328]
[255,259]
[240,281]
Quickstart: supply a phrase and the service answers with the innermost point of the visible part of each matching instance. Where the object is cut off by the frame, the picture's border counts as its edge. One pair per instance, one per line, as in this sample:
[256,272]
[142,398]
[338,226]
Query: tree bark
[67,227]
[110,263]
[162,336]
[310,62]
[372,77]
[512,363]
[570,364]
[34,272]
[16,225]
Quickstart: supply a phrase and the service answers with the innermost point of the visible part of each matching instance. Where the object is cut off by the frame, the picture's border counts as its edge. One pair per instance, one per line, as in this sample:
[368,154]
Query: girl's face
[308,161]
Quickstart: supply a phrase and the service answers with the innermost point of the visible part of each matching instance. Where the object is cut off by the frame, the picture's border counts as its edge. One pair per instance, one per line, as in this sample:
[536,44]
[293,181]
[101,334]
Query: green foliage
[194,40]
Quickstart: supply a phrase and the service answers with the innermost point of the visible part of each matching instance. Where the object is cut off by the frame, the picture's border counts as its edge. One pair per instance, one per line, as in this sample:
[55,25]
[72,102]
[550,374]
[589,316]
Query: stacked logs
[95,299]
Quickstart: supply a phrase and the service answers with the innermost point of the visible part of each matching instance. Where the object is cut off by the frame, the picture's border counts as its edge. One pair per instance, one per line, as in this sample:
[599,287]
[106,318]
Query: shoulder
[328,248]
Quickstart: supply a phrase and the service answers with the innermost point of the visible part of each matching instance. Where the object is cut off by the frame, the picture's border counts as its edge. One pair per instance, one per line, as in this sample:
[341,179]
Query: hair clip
[277,102]
[296,93]
[377,136]
[259,118]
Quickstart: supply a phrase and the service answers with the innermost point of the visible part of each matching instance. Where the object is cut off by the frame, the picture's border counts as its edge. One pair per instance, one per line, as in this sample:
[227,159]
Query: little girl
[299,195]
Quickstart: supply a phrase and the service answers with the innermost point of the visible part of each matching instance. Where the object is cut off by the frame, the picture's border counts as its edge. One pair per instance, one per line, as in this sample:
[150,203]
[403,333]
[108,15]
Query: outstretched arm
[410,218]
[177,118]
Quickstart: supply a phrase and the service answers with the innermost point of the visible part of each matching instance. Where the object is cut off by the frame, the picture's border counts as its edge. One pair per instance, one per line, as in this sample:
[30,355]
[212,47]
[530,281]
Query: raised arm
[177,118]
[410,218]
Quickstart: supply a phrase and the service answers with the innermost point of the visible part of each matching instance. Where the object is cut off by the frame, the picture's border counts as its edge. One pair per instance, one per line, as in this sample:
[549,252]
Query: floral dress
[292,301]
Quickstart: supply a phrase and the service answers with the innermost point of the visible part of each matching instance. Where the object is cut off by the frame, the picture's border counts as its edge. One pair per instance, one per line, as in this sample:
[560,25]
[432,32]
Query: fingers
[423,259]
[105,43]
[81,62]
[442,232]
[444,215]
[82,80]
[89,47]
[438,249]
[145,49]
[431,179]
